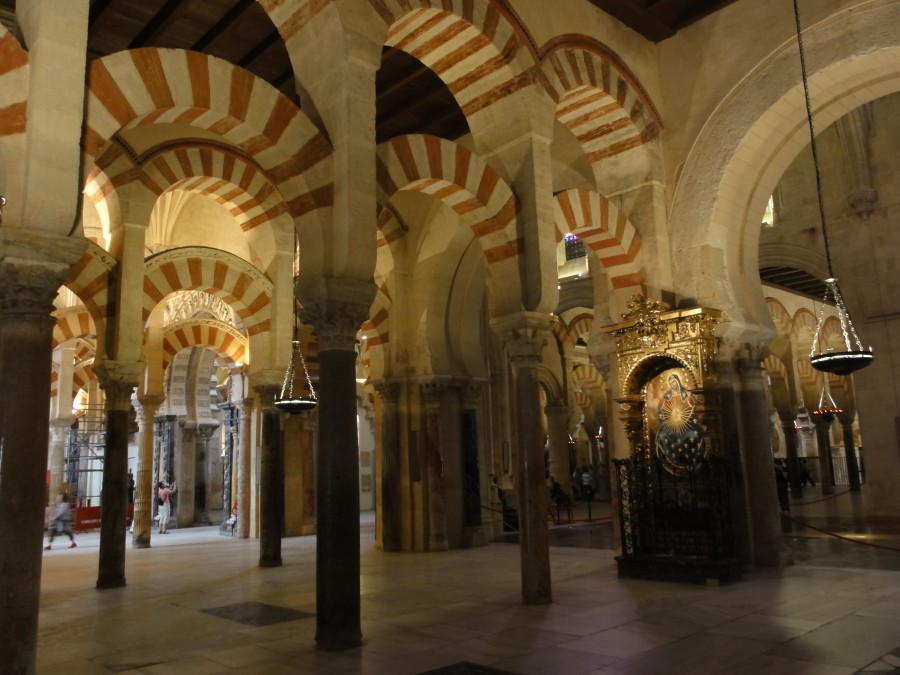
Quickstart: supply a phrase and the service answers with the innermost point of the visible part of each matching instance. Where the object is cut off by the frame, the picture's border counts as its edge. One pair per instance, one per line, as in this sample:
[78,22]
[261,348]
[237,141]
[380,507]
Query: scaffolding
[85,447]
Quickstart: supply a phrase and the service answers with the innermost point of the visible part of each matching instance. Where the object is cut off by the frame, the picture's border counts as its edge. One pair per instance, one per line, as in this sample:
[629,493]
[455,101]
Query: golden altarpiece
[674,488]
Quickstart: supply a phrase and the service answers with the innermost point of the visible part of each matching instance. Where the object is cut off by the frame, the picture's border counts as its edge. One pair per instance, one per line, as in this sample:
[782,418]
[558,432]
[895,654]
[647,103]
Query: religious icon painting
[675,430]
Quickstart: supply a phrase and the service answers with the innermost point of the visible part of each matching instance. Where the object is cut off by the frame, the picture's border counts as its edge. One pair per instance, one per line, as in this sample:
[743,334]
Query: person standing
[163,499]
[62,521]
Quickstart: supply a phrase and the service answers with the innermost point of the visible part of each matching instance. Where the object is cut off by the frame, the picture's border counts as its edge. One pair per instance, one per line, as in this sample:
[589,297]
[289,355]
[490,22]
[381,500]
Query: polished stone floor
[196,602]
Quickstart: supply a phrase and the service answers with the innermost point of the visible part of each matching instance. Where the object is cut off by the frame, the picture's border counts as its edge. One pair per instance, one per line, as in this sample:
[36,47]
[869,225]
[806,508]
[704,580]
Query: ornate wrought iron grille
[682,515]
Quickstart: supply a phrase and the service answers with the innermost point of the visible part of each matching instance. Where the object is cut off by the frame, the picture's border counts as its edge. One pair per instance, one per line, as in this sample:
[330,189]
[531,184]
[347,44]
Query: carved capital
[388,391]
[524,334]
[337,308]
[267,394]
[471,393]
[433,390]
[27,290]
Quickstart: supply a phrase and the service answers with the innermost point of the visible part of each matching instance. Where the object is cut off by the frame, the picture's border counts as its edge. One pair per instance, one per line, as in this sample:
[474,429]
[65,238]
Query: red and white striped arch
[780,316]
[73,322]
[13,85]
[148,86]
[226,341]
[604,230]
[599,99]
[477,52]
[803,327]
[452,174]
[216,272]
[579,327]
[89,280]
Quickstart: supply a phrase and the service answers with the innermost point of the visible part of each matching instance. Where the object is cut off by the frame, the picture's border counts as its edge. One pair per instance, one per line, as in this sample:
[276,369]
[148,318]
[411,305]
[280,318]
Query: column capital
[118,379]
[524,334]
[266,394]
[433,389]
[337,307]
[388,390]
[471,390]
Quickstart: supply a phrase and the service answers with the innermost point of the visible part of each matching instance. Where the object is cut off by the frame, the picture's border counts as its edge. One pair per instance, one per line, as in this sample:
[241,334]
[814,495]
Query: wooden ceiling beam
[162,20]
[223,25]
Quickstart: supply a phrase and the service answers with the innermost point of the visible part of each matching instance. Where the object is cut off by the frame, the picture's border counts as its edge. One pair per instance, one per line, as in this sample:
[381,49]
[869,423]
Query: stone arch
[600,101]
[452,174]
[14,63]
[89,280]
[146,86]
[227,342]
[781,317]
[216,272]
[740,154]
[71,323]
[443,35]
[606,232]
[779,382]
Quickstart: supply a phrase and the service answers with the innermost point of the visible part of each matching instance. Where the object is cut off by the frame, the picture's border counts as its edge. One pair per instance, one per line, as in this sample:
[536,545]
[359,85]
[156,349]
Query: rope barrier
[834,534]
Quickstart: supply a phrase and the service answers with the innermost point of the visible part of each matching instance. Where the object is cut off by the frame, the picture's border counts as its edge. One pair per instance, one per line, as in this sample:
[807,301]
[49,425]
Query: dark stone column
[143,493]
[391,514]
[762,497]
[823,428]
[524,336]
[244,468]
[790,442]
[471,469]
[27,290]
[337,310]
[846,420]
[271,479]
[118,381]
[432,395]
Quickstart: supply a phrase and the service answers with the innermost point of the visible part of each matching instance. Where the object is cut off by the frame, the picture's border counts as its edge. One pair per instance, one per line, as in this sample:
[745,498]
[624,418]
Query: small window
[574,247]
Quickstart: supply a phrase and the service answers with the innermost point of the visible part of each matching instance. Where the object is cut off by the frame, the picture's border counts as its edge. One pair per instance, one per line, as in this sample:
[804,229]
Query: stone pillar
[60,428]
[308,421]
[790,442]
[846,420]
[768,541]
[244,470]
[432,397]
[27,290]
[558,436]
[271,479]
[391,510]
[823,421]
[336,310]
[473,533]
[524,336]
[118,381]
[143,493]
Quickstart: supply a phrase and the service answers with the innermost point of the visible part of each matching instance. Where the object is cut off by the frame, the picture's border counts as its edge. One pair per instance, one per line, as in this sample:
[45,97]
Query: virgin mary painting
[679,439]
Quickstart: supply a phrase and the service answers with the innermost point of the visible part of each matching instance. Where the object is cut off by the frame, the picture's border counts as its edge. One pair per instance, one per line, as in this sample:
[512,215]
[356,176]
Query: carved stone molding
[27,290]
[471,391]
[433,390]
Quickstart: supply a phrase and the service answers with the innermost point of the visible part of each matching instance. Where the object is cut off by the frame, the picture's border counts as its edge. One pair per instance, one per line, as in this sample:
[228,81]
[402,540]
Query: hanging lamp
[288,400]
[855,356]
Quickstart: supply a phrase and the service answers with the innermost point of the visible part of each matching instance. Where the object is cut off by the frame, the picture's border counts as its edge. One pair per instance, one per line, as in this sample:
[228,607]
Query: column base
[473,536]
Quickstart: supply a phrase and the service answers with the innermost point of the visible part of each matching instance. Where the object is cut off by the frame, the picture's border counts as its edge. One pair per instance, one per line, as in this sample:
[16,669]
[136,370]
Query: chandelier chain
[812,137]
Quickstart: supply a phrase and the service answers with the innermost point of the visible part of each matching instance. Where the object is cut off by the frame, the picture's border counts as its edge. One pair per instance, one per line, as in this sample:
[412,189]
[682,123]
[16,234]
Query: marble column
[27,290]
[846,420]
[473,533]
[60,428]
[790,442]
[432,396]
[143,493]
[524,337]
[822,422]
[118,381]
[558,438]
[336,311]
[391,510]
[271,479]
[762,497]
[244,470]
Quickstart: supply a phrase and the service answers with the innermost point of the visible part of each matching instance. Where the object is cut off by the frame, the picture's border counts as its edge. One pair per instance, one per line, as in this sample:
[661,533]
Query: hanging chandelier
[853,357]
[289,400]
